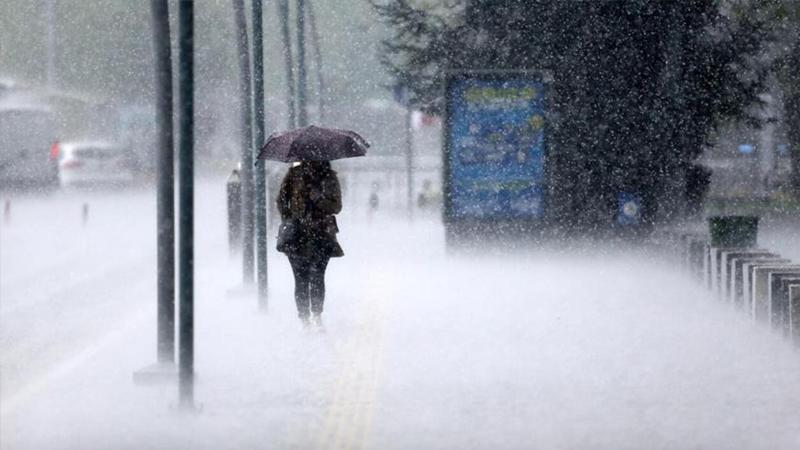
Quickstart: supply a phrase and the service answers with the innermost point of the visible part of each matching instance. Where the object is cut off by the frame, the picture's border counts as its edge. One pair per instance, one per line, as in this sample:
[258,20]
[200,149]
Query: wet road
[595,348]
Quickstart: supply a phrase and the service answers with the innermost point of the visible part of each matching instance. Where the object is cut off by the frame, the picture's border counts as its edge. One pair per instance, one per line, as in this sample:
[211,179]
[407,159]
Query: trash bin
[733,231]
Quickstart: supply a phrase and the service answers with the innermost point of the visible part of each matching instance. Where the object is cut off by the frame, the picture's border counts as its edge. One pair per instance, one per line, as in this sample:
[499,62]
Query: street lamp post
[186,202]
[165,225]
[246,141]
[283,15]
[164,368]
[302,109]
[258,128]
[317,46]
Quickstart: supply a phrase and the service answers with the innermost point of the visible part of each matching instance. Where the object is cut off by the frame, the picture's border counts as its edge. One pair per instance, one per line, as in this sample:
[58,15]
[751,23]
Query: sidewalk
[426,351]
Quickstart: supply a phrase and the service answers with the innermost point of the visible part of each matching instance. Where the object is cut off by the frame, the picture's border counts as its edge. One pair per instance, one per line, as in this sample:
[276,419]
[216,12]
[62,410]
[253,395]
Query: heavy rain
[399,224]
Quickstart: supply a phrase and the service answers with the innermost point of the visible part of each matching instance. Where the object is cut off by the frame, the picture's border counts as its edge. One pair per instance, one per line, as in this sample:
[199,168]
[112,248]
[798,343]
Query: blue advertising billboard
[495,146]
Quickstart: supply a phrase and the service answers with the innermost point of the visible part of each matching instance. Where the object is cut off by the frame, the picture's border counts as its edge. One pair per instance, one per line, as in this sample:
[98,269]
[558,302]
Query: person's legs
[317,284]
[301,270]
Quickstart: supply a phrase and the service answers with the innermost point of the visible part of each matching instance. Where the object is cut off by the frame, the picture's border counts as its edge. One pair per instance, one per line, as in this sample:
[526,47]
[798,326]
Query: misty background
[103,57]
[602,337]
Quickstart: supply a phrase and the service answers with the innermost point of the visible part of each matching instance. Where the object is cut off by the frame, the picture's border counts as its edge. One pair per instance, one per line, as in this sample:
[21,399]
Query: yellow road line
[348,421]
[379,370]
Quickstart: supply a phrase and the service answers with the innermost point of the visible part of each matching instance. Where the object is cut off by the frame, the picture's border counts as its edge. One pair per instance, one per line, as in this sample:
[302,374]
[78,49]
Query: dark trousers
[309,283]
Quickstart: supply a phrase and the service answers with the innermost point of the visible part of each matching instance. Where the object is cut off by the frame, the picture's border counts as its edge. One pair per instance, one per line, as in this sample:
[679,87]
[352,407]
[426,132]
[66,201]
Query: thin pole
[302,110]
[186,199]
[248,258]
[260,179]
[283,14]
[409,161]
[315,40]
[165,199]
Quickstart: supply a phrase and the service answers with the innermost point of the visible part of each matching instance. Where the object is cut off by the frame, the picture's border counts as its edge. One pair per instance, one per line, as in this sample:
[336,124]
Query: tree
[637,85]
[782,55]
[790,82]
[785,18]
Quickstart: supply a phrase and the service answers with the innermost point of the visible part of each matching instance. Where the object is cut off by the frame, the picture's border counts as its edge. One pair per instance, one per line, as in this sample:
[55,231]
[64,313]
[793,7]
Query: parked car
[94,163]
[27,134]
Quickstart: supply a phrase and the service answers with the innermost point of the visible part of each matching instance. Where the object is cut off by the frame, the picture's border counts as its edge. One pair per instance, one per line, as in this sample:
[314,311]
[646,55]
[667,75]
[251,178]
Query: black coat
[310,200]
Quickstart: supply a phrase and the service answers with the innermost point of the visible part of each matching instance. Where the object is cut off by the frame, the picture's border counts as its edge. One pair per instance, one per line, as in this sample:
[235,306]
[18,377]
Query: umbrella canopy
[313,143]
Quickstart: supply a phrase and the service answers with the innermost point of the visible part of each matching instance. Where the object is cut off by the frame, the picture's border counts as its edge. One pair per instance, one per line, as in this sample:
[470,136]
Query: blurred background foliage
[104,47]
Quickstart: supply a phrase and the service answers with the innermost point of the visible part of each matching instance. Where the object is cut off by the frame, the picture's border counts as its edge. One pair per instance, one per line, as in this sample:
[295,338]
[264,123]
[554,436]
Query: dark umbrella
[313,144]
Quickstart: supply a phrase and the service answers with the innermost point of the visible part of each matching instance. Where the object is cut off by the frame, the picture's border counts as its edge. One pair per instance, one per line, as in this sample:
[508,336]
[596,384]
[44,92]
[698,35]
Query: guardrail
[756,281]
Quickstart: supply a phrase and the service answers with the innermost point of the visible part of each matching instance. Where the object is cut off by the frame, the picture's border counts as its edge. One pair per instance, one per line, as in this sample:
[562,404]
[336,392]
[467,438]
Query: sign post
[401,96]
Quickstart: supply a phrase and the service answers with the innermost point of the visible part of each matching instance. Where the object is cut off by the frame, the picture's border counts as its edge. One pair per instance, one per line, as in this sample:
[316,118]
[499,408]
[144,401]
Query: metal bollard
[697,247]
[781,300]
[794,313]
[7,212]
[728,265]
[760,288]
[234,189]
[728,233]
[374,200]
[85,214]
[740,274]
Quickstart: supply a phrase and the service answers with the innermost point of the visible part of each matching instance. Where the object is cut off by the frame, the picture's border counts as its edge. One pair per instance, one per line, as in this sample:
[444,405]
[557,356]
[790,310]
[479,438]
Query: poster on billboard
[494,146]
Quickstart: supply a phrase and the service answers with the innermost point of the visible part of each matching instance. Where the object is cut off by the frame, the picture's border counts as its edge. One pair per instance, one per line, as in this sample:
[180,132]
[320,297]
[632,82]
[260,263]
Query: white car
[93,163]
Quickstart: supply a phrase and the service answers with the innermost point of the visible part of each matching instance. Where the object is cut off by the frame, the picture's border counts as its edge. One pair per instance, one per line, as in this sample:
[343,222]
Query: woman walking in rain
[308,200]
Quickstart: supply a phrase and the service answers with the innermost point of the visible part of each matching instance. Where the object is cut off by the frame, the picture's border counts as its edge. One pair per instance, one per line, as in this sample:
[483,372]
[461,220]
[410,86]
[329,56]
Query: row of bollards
[757,281]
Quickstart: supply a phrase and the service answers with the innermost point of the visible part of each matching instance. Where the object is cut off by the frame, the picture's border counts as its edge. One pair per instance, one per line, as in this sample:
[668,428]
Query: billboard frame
[460,225]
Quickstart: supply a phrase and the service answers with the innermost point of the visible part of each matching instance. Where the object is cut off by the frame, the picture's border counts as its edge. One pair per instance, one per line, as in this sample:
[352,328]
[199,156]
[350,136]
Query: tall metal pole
[165,200]
[409,161]
[283,14]
[315,40]
[248,258]
[186,202]
[302,110]
[258,128]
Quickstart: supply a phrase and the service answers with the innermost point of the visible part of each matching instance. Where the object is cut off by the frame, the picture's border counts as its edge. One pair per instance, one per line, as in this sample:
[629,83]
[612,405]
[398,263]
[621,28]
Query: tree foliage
[637,85]
[784,19]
